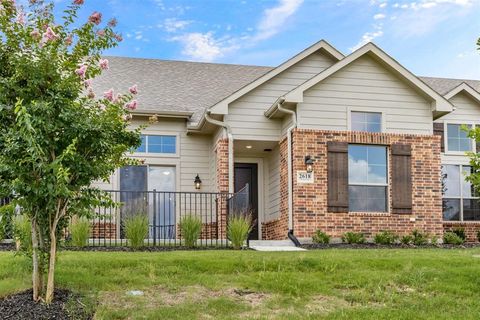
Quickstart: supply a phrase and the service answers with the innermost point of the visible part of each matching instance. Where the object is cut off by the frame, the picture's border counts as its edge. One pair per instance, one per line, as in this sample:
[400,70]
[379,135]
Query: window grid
[460,197]
[458,138]
[163,144]
[365,124]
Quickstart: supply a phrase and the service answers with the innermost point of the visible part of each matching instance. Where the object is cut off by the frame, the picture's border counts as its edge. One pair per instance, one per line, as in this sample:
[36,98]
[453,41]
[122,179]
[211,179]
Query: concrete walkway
[273,245]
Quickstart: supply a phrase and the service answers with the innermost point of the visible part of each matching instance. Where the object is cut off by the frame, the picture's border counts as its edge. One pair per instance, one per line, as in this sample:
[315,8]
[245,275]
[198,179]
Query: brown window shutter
[438,129]
[401,178]
[337,167]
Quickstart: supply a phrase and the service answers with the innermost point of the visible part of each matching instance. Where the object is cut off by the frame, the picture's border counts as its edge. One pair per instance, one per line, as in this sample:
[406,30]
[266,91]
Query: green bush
[452,238]
[419,238]
[385,238]
[321,237]
[353,237]
[460,232]
[434,240]
[136,230]
[80,231]
[6,221]
[191,227]
[478,235]
[406,239]
[239,226]
[22,232]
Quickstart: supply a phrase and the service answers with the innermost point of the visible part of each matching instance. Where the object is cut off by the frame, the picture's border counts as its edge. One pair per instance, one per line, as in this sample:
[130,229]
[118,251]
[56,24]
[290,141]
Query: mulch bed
[20,306]
[314,246]
[7,246]
[143,249]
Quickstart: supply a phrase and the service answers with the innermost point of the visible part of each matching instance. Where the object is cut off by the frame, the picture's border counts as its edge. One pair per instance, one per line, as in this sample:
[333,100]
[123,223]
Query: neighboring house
[324,141]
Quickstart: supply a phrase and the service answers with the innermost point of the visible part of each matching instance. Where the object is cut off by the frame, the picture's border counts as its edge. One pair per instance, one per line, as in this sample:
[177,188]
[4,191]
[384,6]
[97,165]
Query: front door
[247,173]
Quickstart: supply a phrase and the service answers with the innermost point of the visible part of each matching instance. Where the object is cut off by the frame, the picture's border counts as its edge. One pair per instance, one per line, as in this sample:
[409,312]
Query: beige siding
[364,86]
[246,115]
[272,206]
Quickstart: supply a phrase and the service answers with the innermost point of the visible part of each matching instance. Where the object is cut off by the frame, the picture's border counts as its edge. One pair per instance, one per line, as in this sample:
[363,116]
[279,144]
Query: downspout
[289,167]
[230,147]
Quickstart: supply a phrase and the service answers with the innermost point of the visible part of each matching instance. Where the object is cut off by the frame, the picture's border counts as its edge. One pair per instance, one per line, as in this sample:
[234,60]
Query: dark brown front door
[247,173]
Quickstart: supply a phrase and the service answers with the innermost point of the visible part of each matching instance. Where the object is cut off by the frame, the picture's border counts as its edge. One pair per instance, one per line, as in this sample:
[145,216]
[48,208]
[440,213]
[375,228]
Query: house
[324,141]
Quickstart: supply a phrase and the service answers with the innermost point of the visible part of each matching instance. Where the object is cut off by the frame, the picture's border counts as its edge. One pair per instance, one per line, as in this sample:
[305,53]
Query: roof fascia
[463,87]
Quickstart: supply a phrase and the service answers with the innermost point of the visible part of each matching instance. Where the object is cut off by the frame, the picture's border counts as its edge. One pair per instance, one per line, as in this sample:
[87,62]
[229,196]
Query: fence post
[154,217]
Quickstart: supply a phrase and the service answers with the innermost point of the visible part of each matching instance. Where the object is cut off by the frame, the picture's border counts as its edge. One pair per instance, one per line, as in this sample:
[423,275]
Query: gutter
[280,101]
[164,114]
[230,147]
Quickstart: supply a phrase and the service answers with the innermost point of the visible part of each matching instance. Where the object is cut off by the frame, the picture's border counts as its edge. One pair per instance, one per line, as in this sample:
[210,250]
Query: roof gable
[463,87]
[440,105]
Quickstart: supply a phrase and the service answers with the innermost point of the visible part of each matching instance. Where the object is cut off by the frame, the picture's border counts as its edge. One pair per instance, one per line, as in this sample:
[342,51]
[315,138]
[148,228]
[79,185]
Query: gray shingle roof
[166,85]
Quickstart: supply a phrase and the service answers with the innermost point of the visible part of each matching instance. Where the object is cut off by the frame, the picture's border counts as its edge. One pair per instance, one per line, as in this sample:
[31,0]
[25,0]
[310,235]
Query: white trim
[460,197]
[155,154]
[261,188]
[365,110]
[463,87]
[445,137]
[221,107]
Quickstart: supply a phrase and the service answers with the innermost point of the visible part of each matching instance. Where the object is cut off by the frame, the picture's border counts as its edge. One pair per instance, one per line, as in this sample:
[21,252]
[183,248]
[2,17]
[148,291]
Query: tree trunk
[37,273]
[51,267]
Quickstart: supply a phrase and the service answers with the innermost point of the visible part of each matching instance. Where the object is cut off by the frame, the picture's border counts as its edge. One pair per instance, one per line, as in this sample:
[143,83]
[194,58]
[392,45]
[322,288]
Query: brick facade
[310,200]
[222,172]
[471,228]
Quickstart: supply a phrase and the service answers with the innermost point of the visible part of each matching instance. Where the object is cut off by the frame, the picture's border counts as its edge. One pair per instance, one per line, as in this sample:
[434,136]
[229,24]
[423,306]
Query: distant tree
[56,138]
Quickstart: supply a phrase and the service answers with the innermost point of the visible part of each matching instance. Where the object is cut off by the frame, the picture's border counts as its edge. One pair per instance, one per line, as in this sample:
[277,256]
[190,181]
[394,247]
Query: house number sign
[304,177]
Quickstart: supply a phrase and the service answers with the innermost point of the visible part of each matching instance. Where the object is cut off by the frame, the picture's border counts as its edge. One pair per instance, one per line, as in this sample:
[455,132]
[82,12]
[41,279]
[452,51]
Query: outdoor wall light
[309,163]
[198,182]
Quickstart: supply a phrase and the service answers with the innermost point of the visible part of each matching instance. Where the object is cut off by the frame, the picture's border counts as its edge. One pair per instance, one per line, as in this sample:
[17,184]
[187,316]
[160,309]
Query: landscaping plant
[191,227]
[406,239]
[321,237]
[22,233]
[56,136]
[353,238]
[6,221]
[419,238]
[136,230]
[478,235]
[452,238]
[460,232]
[238,229]
[80,231]
[385,238]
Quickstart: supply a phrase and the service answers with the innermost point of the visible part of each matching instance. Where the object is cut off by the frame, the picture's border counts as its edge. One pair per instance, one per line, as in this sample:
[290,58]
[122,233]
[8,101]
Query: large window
[460,202]
[158,144]
[457,139]
[367,178]
[366,121]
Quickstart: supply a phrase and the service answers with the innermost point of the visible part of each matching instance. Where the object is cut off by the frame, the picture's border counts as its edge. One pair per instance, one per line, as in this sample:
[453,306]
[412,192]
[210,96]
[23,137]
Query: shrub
[191,227]
[478,235]
[452,238]
[353,237]
[460,232]
[80,231]
[406,239]
[239,226]
[136,230]
[22,232]
[434,240]
[6,221]
[321,237]
[385,238]
[419,238]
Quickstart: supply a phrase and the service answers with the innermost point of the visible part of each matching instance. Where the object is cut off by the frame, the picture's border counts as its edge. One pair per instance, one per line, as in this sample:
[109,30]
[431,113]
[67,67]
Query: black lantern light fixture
[309,163]
[198,182]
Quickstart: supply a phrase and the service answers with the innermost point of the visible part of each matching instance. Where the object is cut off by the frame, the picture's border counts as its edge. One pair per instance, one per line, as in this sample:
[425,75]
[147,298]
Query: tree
[56,138]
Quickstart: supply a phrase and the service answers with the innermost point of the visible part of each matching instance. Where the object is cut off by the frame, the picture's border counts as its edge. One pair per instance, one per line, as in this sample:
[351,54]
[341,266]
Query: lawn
[324,284]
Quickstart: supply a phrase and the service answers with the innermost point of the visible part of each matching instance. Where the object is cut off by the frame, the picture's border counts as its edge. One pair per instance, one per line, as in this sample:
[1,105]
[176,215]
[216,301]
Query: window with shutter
[401,178]
[337,167]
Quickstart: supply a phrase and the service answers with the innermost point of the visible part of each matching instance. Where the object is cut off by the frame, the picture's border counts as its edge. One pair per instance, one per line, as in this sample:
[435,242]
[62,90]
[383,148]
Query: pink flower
[108,95]
[81,71]
[69,40]
[101,33]
[90,93]
[95,18]
[118,37]
[35,34]
[103,107]
[133,89]
[49,35]
[21,18]
[132,105]
[103,64]
[87,83]
[126,117]
[78,2]
[112,23]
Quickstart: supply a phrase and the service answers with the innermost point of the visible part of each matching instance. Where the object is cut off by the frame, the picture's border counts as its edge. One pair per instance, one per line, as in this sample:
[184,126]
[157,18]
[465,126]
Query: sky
[428,37]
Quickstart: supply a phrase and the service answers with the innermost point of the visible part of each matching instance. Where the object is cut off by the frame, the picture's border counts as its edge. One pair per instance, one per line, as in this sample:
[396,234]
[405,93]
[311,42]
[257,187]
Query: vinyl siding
[272,206]
[365,85]
[246,115]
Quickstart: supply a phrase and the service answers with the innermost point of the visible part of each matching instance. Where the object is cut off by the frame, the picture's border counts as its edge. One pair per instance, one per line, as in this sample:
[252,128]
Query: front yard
[330,284]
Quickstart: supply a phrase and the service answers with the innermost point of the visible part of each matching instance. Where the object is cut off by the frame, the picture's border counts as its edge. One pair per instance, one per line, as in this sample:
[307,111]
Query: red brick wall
[104,230]
[221,156]
[471,228]
[310,200]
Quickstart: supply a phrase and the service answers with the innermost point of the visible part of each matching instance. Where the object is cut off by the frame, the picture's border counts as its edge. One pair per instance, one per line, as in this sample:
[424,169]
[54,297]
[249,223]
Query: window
[366,121]
[158,144]
[460,202]
[367,178]
[457,139]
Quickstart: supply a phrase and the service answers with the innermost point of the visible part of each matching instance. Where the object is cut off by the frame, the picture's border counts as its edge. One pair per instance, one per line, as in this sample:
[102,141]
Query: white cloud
[368,37]
[379,16]
[274,18]
[173,24]
[204,46]
[382,5]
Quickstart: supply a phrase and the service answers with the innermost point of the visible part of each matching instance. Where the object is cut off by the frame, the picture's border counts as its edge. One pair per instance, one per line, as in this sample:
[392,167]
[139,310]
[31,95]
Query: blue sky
[429,37]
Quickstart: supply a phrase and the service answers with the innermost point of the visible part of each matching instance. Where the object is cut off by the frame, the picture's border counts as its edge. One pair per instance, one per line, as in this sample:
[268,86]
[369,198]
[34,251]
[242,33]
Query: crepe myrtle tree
[56,137]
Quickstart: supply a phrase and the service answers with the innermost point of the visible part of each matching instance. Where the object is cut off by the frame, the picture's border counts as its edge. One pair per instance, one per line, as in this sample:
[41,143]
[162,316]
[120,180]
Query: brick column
[221,160]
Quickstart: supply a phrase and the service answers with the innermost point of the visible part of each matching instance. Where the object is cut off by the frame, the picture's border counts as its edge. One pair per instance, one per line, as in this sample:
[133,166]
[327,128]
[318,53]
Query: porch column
[222,182]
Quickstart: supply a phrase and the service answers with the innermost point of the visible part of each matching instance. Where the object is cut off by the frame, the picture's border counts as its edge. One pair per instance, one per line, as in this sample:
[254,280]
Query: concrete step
[271,243]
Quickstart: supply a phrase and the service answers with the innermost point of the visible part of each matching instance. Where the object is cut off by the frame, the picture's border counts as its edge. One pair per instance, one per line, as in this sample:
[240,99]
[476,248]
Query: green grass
[326,284]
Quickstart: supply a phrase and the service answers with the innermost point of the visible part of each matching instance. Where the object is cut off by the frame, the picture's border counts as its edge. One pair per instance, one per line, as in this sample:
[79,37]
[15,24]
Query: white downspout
[289,160]
[230,147]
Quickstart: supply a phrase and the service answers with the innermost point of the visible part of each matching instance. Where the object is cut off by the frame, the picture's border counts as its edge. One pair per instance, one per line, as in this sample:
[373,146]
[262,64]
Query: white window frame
[386,184]
[460,197]
[156,154]
[349,118]
[445,137]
